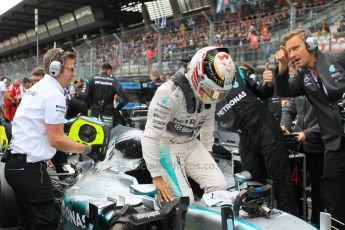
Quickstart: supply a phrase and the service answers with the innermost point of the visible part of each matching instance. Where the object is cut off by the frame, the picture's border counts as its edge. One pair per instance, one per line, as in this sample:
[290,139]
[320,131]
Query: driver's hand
[164,192]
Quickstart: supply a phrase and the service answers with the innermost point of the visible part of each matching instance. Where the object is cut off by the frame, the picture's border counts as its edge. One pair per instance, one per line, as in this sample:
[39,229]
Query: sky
[7,4]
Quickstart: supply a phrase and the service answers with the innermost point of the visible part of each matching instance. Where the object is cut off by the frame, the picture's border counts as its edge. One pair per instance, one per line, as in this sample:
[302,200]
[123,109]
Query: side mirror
[143,189]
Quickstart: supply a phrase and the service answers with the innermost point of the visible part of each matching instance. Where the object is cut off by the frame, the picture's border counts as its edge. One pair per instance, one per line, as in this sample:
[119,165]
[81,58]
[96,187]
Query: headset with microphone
[310,42]
[56,64]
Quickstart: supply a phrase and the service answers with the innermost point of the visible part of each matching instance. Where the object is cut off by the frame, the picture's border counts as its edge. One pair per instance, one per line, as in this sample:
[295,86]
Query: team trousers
[333,184]
[263,153]
[33,191]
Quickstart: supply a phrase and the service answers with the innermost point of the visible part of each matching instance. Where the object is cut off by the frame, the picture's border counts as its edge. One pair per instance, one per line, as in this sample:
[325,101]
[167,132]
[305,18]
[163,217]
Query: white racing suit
[170,145]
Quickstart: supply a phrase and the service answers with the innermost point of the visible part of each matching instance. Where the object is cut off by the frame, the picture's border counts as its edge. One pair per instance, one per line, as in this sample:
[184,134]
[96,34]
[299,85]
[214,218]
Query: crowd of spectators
[17,66]
[10,96]
[247,30]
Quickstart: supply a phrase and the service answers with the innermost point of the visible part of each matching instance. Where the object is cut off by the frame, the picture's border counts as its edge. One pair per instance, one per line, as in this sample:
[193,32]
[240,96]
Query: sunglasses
[35,81]
[72,69]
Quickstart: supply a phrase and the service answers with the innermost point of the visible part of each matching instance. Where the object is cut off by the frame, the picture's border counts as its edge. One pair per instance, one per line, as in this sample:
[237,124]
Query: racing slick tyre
[120,226]
[8,215]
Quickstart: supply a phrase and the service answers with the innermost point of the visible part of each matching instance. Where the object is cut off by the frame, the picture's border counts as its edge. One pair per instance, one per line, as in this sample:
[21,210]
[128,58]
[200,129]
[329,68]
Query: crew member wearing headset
[321,77]
[37,134]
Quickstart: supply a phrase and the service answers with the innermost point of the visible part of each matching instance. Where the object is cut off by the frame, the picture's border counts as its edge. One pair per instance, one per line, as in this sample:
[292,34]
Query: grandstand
[134,42]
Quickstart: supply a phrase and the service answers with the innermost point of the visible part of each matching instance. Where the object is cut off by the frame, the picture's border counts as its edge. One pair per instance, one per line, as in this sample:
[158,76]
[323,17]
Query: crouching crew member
[262,148]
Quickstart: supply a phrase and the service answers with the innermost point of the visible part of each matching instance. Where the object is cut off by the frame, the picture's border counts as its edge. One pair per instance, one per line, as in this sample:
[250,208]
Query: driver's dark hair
[105,67]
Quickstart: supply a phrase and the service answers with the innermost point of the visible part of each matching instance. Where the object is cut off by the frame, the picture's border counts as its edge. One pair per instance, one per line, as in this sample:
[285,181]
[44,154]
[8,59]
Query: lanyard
[318,82]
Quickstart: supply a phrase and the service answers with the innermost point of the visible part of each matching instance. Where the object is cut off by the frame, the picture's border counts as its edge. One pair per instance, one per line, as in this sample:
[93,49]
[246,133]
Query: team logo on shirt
[31,93]
[165,100]
[103,83]
[231,103]
[337,76]
[331,68]
[60,108]
[306,79]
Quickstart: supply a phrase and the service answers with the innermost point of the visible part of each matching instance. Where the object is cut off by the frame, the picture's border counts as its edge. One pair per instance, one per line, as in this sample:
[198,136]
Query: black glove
[120,106]
[95,152]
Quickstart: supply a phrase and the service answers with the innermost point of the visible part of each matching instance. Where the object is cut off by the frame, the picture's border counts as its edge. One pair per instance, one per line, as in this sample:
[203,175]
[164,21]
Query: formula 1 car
[115,194]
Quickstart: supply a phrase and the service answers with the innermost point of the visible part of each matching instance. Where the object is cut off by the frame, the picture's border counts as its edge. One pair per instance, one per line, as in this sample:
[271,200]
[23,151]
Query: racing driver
[182,109]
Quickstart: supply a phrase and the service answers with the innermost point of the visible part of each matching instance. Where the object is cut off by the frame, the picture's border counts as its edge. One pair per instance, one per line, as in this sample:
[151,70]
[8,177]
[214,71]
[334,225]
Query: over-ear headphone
[310,42]
[56,64]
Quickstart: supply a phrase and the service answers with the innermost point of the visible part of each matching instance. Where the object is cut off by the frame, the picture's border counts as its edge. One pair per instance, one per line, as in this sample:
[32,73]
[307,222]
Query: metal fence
[138,51]
[18,69]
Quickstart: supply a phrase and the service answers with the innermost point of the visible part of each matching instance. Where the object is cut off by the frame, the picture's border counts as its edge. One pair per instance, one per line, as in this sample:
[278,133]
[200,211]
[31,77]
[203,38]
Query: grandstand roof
[20,18]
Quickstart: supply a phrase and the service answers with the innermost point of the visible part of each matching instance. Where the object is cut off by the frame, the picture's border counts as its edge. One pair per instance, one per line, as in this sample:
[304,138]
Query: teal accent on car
[244,225]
